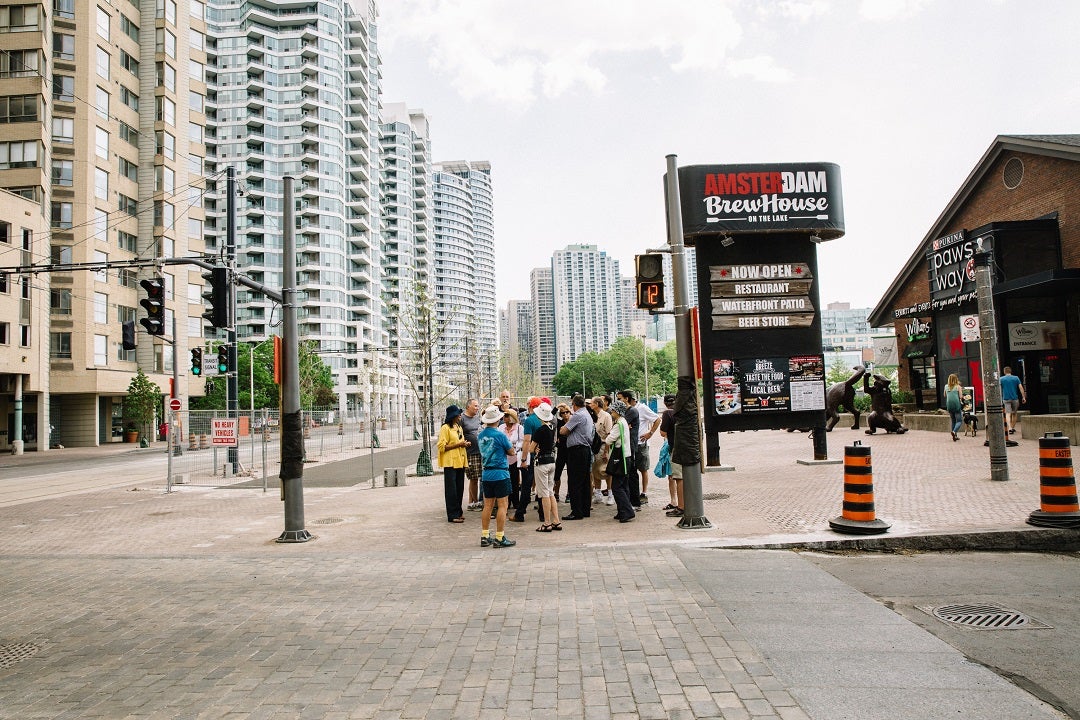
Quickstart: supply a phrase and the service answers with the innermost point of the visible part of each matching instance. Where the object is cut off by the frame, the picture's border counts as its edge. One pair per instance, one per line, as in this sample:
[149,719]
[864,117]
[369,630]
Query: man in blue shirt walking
[1012,395]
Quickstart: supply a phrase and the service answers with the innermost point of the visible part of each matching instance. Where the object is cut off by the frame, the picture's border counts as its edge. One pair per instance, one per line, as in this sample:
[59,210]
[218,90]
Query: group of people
[506,456]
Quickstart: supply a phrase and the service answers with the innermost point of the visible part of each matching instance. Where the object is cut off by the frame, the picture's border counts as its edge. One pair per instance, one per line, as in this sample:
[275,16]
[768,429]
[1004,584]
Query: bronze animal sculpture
[881,406]
[843,394]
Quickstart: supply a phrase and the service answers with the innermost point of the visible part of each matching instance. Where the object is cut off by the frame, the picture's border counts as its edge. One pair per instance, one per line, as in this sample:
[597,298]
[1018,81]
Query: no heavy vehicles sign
[223,432]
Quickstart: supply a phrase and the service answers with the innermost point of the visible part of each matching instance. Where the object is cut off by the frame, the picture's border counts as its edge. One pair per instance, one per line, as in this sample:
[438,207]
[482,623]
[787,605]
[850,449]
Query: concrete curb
[1048,540]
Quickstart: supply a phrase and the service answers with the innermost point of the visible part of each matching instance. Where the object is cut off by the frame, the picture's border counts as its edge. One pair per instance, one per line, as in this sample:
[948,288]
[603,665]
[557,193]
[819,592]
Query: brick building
[1022,201]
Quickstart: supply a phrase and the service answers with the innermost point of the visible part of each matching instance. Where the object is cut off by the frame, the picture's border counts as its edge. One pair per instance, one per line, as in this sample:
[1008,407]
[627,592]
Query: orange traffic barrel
[1058,506]
[858,516]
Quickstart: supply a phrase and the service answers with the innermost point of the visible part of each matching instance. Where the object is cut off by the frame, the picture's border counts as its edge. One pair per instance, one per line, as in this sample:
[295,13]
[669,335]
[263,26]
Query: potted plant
[140,405]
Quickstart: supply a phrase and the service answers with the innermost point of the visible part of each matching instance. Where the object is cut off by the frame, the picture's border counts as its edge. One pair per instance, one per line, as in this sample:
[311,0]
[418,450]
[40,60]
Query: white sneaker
[597,497]
[609,500]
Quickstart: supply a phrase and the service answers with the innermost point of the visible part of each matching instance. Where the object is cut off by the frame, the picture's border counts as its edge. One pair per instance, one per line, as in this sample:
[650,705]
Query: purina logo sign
[950,265]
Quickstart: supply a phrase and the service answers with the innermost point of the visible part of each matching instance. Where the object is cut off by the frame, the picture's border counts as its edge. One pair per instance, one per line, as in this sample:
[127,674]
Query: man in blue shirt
[1012,394]
[495,451]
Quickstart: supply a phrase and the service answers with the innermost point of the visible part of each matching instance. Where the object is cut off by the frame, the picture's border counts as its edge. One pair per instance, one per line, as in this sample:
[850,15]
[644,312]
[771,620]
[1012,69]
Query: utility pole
[292,433]
[995,408]
[687,450]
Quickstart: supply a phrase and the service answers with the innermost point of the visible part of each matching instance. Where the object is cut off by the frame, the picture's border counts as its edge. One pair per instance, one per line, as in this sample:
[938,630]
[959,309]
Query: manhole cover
[11,654]
[985,617]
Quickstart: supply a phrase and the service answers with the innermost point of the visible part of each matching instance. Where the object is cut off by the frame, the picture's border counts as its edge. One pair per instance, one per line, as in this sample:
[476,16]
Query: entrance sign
[223,432]
[1037,336]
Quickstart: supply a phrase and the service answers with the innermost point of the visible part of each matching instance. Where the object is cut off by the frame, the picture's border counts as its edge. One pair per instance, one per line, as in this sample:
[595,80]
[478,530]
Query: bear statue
[881,406]
[842,394]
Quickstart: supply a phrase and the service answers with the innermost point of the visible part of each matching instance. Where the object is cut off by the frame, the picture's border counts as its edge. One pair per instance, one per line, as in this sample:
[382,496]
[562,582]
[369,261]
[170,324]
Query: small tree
[142,402]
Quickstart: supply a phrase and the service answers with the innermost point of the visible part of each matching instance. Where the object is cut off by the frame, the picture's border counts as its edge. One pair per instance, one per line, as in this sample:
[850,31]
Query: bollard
[857,516]
[192,444]
[1058,505]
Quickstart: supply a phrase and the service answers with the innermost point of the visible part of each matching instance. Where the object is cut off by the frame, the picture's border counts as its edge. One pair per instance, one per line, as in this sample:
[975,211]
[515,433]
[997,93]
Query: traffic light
[154,302]
[196,361]
[650,280]
[216,297]
[128,335]
[223,364]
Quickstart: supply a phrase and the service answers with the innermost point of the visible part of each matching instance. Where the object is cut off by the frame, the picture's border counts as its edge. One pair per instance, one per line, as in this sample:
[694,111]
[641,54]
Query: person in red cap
[529,426]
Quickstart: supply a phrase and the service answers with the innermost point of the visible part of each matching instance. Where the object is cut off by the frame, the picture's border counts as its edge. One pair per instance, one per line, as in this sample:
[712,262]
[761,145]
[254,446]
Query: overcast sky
[576,103]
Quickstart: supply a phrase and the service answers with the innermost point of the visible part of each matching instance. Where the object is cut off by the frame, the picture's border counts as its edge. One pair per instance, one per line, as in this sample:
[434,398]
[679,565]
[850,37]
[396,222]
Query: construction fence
[212,448]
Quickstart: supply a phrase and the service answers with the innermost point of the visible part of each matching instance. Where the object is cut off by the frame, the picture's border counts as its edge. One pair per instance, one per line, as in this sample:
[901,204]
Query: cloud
[890,9]
[514,53]
[761,68]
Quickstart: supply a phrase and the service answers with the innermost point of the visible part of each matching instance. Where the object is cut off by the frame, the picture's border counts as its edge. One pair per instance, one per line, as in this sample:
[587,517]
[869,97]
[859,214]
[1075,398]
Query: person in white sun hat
[495,451]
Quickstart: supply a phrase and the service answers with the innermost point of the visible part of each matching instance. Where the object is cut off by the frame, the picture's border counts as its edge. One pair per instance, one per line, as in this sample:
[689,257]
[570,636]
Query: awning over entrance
[920,348]
[1046,283]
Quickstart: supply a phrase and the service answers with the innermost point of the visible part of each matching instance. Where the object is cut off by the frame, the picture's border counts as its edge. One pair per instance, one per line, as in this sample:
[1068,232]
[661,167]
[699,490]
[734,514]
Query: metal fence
[200,456]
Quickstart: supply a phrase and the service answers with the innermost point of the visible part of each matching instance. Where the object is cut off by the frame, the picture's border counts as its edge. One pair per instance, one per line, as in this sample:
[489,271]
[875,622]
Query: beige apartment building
[103,107]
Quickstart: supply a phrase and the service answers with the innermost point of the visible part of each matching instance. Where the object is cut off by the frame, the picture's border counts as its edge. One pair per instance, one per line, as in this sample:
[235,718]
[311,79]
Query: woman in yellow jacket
[453,460]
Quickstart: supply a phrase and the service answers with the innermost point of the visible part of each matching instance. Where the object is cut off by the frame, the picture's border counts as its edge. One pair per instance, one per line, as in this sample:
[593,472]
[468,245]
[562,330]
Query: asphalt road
[1045,587]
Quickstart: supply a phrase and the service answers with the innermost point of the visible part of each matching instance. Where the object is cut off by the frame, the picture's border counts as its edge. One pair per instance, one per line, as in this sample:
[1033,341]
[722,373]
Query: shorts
[474,469]
[1011,406]
[497,488]
[676,471]
[641,457]
[544,480]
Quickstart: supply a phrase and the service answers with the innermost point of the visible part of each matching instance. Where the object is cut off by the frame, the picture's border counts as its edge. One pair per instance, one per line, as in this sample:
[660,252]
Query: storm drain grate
[328,521]
[16,653]
[715,496]
[985,617]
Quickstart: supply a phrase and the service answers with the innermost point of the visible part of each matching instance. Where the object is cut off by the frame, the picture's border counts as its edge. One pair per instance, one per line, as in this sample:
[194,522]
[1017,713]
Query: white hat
[492,415]
[543,411]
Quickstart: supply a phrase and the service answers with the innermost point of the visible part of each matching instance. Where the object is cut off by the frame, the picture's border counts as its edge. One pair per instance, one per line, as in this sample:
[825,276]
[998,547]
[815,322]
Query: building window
[127,241]
[18,108]
[5,333]
[129,169]
[19,63]
[63,172]
[166,144]
[101,184]
[129,63]
[198,40]
[198,10]
[101,258]
[101,350]
[164,179]
[197,70]
[60,301]
[166,43]
[63,130]
[195,133]
[166,76]
[63,88]
[129,134]
[18,155]
[101,307]
[164,213]
[103,22]
[60,254]
[128,205]
[63,46]
[129,28]
[128,278]
[99,226]
[129,98]
[64,8]
[103,62]
[101,143]
[166,9]
[19,18]
[60,345]
[165,111]
[102,98]
[196,101]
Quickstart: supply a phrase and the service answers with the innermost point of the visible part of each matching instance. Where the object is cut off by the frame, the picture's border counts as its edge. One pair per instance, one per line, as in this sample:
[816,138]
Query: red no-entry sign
[174,404]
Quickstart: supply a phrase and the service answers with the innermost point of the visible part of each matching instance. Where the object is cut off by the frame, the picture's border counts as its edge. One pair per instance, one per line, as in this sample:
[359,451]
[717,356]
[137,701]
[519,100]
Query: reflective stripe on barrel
[1057,485]
[858,484]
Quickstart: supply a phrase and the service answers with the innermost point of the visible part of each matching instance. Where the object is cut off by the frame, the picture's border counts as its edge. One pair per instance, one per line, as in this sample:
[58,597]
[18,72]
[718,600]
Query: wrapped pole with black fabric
[292,431]
[687,449]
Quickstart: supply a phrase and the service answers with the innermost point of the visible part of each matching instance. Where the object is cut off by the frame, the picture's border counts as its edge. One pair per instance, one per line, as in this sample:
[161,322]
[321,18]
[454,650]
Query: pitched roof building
[1022,201]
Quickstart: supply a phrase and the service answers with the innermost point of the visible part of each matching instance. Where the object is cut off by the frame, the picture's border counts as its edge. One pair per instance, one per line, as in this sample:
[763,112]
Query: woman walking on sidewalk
[453,461]
[954,403]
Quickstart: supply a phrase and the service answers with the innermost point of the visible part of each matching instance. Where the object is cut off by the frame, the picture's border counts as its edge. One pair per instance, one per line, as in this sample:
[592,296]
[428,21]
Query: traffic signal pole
[231,386]
[292,432]
[687,450]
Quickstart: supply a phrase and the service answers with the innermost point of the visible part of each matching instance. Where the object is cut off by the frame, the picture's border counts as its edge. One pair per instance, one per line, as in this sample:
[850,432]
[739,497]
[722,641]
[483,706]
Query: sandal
[544,528]
[669,506]
[555,526]
[458,520]
[677,512]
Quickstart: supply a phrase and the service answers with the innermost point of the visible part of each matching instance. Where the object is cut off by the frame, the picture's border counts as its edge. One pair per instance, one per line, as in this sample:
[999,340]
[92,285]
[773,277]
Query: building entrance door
[1045,376]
